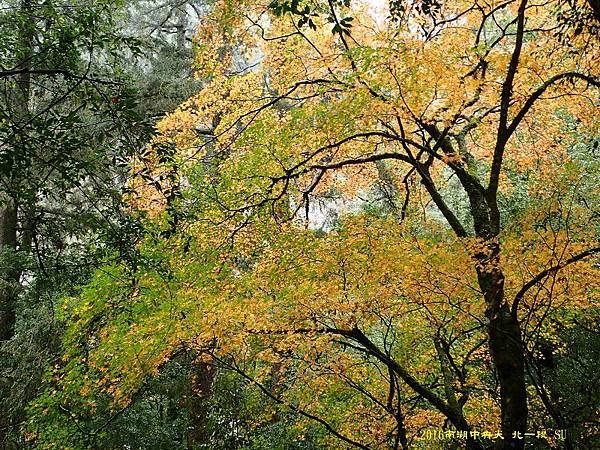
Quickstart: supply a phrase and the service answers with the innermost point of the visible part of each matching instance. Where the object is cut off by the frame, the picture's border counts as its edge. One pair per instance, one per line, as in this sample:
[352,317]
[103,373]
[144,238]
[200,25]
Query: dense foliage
[355,225]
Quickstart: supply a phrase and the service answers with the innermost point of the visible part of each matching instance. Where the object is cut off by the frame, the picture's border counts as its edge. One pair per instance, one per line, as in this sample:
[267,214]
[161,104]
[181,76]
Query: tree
[71,114]
[61,115]
[431,316]
[80,86]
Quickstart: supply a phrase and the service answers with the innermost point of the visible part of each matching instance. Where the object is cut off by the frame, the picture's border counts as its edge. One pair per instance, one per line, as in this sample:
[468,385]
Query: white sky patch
[378,10]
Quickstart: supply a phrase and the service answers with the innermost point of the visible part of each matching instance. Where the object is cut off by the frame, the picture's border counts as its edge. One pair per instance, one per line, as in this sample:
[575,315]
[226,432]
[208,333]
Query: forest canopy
[300,225]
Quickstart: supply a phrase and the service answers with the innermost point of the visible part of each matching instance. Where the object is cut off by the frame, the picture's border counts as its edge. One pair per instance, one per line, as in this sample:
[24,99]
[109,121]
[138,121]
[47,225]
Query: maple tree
[446,140]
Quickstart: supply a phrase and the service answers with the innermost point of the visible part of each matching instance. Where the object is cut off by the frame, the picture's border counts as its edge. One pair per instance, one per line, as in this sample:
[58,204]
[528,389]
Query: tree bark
[10,274]
[506,348]
[18,98]
[201,388]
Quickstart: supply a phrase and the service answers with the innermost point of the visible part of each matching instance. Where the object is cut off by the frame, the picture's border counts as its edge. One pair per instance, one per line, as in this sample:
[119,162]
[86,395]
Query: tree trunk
[201,390]
[18,99]
[9,277]
[506,348]
[10,274]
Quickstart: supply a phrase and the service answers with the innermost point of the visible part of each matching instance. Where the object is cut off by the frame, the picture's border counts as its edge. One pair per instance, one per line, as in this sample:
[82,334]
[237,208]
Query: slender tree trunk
[9,278]
[18,99]
[401,435]
[9,275]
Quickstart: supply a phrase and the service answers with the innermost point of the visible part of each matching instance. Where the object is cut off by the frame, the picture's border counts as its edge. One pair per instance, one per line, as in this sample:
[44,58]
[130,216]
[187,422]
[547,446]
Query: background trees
[73,111]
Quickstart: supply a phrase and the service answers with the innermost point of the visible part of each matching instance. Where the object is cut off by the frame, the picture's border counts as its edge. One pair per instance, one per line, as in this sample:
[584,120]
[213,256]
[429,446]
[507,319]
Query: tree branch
[505,100]
[63,72]
[453,415]
[544,273]
[538,93]
[292,407]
